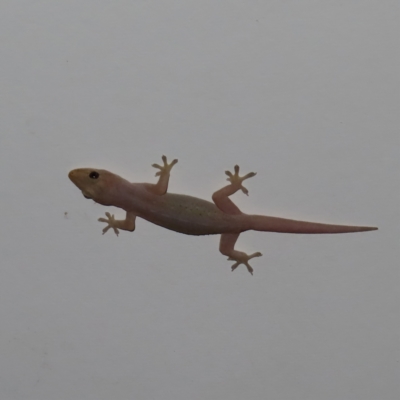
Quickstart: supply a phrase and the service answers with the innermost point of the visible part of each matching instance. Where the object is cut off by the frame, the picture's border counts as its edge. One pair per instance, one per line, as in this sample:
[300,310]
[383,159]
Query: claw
[244,259]
[111,223]
[237,180]
[166,168]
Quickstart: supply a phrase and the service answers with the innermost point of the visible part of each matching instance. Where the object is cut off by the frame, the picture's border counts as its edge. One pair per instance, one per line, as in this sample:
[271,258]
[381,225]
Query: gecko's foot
[112,223]
[237,180]
[166,168]
[243,258]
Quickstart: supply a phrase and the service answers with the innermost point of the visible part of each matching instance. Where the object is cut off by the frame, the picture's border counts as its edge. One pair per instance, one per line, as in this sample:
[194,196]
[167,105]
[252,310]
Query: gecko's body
[187,214]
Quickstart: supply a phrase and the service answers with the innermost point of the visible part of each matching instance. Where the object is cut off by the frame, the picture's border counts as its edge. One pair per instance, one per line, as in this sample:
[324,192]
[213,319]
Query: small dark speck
[66,214]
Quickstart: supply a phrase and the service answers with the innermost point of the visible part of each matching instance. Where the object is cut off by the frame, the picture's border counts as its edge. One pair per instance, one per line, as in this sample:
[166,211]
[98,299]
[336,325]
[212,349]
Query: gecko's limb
[225,204]
[127,224]
[221,198]
[227,248]
[161,186]
[236,180]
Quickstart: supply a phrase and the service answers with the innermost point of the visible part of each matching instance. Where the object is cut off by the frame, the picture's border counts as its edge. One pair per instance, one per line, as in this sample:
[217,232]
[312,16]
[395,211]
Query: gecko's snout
[73,176]
[76,178]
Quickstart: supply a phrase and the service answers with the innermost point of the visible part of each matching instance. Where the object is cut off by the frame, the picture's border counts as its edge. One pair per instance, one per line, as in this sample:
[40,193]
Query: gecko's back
[189,215]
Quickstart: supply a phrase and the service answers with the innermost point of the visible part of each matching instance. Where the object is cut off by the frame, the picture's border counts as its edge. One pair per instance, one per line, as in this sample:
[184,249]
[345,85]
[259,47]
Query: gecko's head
[96,184]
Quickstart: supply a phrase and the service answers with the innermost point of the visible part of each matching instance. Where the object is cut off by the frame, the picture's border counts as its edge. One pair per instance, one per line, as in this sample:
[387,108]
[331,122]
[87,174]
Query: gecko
[187,214]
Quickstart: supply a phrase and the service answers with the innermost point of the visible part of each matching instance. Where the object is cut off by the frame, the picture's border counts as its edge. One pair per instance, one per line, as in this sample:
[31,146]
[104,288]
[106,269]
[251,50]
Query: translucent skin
[187,214]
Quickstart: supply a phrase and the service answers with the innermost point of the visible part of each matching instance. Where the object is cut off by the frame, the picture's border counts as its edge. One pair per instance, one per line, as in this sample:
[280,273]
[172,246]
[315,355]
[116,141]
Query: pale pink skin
[187,214]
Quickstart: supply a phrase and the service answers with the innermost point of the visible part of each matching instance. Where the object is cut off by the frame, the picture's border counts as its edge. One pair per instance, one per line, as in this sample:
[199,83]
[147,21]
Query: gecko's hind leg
[225,204]
[227,248]
[221,197]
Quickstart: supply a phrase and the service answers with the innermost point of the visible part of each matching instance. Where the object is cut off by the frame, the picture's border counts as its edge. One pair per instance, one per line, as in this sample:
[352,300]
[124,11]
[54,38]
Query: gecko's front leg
[127,224]
[161,186]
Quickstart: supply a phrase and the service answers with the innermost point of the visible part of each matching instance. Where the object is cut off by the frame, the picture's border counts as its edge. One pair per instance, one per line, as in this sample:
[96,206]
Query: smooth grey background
[306,93]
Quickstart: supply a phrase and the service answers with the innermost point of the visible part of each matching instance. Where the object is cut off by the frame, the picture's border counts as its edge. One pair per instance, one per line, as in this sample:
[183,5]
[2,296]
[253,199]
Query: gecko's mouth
[86,196]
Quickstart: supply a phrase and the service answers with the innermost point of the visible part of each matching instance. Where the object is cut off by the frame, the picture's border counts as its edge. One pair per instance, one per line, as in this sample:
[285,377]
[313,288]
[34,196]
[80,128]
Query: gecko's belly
[189,215]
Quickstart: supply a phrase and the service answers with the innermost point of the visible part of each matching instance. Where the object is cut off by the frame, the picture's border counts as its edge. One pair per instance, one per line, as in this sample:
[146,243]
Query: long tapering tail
[283,225]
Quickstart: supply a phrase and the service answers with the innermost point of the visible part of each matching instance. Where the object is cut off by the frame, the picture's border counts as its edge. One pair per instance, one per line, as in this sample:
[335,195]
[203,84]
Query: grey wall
[303,92]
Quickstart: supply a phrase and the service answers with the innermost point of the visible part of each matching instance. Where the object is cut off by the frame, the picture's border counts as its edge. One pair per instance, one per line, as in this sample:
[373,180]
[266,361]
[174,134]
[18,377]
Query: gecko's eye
[94,175]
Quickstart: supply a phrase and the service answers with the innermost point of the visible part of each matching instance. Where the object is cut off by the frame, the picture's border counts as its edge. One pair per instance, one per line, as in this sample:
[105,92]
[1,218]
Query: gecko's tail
[283,225]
